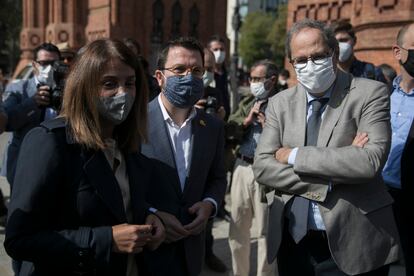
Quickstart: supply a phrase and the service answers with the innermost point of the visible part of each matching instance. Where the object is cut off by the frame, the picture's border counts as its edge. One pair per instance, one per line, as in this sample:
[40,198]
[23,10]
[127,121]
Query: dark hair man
[187,146]
[315,153]
[344,33]
[246,194]
[27,102]
[398,173]
[218,47]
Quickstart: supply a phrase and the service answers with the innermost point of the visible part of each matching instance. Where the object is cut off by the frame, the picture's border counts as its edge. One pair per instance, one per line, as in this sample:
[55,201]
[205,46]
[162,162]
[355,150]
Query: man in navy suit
[187,146]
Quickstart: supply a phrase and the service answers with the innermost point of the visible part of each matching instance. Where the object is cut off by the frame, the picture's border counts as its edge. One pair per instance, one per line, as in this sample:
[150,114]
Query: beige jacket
[357,210]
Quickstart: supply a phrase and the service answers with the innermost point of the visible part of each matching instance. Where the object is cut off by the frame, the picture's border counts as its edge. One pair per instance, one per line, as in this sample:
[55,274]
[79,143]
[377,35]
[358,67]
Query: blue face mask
[183,91]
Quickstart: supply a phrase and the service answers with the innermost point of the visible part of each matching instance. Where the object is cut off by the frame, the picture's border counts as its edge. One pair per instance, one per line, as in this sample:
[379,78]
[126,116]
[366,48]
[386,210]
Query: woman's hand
[158,232]
[130,238]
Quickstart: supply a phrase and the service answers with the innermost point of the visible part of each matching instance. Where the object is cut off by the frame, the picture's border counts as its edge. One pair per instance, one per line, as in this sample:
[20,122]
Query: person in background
[217,46]
[344,33]
[3,123]
[28,102]
[67,54]
[78,203]
[282,82]
[187,146]
[322,151]
[389,74]
[153,87]
[246,194]
[398,172]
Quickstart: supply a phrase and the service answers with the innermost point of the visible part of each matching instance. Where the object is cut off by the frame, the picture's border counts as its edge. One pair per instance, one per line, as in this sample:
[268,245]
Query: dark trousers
[402,209]
[311,257]
[209,238]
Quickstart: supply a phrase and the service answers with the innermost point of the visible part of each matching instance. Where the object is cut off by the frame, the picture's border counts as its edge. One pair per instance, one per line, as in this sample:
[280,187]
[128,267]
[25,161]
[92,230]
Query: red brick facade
[151,22]
[376,22]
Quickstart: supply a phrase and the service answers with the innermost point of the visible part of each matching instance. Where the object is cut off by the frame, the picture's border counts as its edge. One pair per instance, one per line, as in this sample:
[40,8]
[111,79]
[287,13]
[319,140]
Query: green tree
[254,42]
[277,36]
[10,27]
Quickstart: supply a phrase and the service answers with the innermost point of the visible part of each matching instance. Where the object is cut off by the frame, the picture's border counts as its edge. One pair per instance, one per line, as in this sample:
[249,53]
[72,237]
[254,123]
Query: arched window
[177,11]
[157,17]
[194,20]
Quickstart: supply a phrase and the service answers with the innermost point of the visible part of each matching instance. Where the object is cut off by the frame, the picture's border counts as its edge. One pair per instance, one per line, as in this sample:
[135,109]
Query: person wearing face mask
[246,125]
[217,46]
[397,173]
[344,33]
[78,204]
[26,103]
[284,75]
[322,151]
[187,146]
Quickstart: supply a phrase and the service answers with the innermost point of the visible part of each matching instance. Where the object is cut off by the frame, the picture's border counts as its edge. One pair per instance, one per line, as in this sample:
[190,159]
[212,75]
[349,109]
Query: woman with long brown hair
[78,202]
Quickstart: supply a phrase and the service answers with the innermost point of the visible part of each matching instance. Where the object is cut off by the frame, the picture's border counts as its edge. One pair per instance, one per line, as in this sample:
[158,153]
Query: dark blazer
[23,115]
[407,160]
[65,200]
[206,179]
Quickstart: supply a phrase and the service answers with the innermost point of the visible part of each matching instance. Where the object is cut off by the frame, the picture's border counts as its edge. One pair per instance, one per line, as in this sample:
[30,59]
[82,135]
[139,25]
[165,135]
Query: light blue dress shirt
[402,114]
[315,221]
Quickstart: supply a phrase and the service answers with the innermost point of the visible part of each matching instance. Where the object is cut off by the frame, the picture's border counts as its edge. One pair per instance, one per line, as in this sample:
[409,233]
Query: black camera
[211,105]
[60,71]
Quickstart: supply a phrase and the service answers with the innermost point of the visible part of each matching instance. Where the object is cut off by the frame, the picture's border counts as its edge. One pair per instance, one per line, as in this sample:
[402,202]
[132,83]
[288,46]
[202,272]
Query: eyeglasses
[183,70]
[45,62]
[301,62]
[257,79]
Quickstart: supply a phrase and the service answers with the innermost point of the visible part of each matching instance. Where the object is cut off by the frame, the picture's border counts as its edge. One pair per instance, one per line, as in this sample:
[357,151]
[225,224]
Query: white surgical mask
[45,76]
[208,78]
[219,56]
[258,90]
[345,51]
[317,78]
[282,81]
[116,108]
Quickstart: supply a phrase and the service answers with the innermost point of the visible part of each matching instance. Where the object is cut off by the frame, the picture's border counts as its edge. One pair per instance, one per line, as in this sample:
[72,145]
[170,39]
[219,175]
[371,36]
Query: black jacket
[65,200]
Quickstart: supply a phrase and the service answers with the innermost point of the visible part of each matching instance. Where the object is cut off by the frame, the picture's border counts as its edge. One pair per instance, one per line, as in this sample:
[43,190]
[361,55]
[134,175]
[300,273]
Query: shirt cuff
[215,206]
[292,156]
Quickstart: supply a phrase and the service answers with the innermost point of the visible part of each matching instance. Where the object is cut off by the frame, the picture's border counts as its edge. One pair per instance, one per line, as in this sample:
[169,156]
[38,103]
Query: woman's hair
[81,96]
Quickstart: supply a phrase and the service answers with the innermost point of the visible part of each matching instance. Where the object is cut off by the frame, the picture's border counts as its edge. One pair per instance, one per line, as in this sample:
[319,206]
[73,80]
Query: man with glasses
[27,102]
[398,171]
[187,146]
[344,33]
[322,150]
[245,125]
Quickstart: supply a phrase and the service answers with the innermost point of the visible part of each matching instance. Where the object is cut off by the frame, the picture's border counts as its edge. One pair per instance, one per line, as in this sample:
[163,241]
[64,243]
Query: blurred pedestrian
[28,102]
[398,171]
[246,194]
[284,76]
[78,203]
[389,74]
[345,34]
[322,149]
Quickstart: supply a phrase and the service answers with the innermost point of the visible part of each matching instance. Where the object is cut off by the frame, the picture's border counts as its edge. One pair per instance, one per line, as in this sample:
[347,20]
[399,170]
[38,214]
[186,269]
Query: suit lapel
[198,145]
[297,109]
[100,175]
[161,142]
[137,178]
[334,107]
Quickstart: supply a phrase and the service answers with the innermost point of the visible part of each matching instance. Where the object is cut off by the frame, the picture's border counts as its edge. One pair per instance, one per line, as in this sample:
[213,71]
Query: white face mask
[219,56]
[345,51]
[258,90]
[116,108]
[208,78]
[45,76]
[282,81]
[317,78]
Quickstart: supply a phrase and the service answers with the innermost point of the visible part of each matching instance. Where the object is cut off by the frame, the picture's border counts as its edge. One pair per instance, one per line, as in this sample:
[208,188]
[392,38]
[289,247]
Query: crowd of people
[117,170]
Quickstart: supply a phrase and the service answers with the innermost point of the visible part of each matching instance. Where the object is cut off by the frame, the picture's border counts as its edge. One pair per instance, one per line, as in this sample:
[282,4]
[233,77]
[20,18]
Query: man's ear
[160,77]
[397,52]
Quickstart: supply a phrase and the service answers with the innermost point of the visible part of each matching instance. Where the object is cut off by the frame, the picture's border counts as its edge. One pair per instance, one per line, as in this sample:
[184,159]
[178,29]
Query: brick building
[151,22]
[376,22]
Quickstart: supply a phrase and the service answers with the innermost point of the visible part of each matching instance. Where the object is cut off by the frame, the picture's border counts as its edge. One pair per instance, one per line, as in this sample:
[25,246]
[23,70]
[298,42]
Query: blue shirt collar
[327,94]
[397,87]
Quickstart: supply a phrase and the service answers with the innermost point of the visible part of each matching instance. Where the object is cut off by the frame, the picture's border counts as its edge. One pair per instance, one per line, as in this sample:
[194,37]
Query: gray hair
[271,67]
[327,33]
